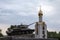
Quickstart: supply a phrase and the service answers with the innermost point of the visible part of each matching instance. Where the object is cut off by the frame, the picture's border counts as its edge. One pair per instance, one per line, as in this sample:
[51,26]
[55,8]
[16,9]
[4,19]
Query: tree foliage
[1,35]
[53,35]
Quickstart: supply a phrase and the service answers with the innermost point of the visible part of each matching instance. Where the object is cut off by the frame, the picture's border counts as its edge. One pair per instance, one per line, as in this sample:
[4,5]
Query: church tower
[40,27]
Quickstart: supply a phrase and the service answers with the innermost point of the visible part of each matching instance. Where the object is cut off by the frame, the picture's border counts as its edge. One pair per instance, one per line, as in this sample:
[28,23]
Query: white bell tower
[40,27]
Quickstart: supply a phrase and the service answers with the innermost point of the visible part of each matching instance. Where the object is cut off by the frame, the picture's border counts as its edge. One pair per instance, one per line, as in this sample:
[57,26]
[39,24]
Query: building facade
[40,27]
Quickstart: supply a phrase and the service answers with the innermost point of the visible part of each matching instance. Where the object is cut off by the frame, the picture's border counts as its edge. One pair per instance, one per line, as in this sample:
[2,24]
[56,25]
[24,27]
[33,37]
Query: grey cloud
[6,12]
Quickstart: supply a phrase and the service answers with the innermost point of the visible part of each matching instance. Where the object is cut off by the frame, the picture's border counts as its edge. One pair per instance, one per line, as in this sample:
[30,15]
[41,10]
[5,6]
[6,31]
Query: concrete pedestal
[34,39]
[15,38]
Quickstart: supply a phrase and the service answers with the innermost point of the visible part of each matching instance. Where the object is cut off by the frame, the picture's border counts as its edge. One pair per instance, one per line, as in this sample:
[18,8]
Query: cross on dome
[40,12]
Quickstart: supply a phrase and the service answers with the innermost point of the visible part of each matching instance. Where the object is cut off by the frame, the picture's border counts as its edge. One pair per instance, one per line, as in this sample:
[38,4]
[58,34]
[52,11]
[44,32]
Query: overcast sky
[26,12]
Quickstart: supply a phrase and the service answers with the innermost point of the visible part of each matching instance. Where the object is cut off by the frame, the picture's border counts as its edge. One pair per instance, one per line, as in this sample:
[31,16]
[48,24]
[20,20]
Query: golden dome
[40,12]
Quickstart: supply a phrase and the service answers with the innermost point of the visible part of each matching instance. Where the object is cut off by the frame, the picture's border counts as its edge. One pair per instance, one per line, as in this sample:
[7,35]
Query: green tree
[1,35]
[59,34]
[52,34]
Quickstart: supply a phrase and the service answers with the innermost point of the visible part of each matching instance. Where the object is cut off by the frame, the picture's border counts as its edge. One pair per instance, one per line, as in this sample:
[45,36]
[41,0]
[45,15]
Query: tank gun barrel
[31,24]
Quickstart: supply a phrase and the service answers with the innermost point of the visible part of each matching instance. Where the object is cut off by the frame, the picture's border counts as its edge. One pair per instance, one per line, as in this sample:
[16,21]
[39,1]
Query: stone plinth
[34,39]
[11,38]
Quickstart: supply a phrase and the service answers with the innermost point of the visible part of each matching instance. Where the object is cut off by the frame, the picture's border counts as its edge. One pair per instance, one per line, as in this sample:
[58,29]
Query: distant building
[40,27]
